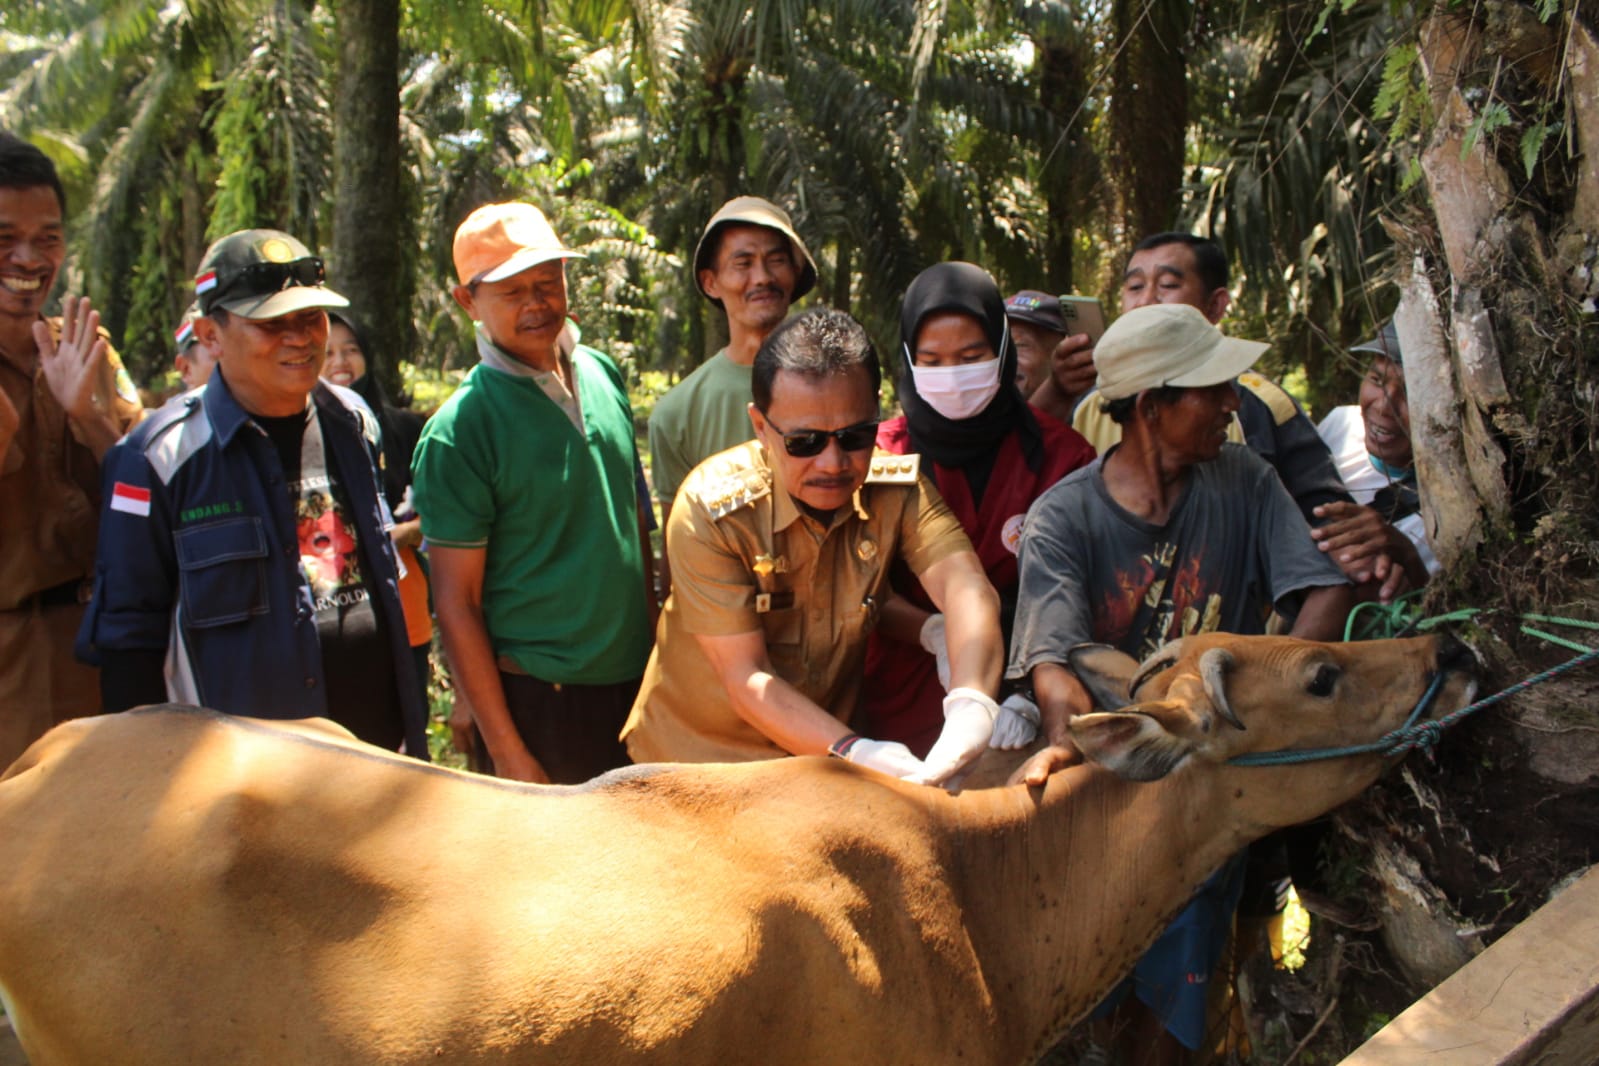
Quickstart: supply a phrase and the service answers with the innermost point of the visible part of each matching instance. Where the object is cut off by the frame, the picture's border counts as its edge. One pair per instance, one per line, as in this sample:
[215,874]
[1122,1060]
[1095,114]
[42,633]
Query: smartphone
[1083,314]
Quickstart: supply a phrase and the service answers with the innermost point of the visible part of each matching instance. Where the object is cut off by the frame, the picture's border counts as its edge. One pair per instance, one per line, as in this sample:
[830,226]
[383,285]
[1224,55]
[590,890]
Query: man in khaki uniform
[64,400]
[782,548]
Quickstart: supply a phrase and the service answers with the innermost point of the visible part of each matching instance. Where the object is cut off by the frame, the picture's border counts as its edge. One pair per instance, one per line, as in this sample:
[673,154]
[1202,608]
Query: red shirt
[902,698]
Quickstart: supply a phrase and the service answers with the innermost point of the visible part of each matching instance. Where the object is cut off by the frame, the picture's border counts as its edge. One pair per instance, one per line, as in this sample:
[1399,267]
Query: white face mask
[958,392]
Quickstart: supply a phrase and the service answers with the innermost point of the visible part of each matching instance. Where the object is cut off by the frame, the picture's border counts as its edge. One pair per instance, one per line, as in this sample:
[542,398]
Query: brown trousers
[41,684]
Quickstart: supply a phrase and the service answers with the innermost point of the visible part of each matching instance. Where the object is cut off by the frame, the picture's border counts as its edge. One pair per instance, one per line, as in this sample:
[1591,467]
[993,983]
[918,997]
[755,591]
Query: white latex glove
[886,757]
[1017,723]
[932,640]
[968,723]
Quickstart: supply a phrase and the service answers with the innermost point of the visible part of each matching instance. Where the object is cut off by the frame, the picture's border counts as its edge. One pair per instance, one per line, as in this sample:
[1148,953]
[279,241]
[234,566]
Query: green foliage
[1533,140]
[1328,9]
[1374,1022]
[441,703]
[1297,176]
[1401,98]
[429,389]
[1488,121]
[897,133]
[1412,175]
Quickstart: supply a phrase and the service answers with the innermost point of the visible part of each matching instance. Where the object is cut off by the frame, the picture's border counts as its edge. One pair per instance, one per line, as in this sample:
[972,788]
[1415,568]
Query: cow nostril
[1455,655]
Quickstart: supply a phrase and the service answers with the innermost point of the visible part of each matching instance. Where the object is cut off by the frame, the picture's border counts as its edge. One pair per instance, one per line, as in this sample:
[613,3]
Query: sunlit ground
[1291,939]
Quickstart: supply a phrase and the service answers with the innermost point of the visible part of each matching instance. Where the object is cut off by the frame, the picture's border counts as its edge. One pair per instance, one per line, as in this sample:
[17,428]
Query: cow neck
[1061,898]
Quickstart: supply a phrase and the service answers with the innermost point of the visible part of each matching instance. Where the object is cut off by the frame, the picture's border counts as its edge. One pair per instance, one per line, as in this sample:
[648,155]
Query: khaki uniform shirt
[50,480]
[745,557]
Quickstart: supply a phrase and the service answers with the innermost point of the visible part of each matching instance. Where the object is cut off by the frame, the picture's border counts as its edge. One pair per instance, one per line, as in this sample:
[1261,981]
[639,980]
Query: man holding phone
[1055,338]
[1180,268]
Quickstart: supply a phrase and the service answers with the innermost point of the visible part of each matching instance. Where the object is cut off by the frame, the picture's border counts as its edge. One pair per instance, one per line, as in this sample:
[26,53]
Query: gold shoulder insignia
[890,469]
[1273,395]
[725,495]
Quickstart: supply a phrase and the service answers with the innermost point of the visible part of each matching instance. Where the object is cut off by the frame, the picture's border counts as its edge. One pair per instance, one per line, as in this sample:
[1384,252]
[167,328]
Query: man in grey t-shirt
[1233,547]
[1172,532]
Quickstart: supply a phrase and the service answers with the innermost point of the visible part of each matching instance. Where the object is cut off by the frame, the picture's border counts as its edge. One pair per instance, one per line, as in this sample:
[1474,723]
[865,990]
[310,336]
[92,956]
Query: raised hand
[75,372]
[72,368]
[1072,365]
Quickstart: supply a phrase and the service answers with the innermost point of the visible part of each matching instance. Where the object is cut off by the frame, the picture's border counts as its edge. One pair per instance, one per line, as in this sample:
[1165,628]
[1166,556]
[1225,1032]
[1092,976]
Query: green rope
[1387,619]
[1558,620]
[1403,615]
[1569,645]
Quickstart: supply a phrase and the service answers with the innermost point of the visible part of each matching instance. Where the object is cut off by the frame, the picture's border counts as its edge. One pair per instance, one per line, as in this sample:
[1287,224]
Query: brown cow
[178,886]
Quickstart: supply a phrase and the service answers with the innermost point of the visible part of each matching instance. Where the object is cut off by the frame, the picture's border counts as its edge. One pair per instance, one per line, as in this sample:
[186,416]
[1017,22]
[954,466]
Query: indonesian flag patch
[130,499]
[205,282]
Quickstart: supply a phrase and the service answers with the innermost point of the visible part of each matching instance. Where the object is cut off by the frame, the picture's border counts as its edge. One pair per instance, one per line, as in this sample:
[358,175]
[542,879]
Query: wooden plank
[1533,997]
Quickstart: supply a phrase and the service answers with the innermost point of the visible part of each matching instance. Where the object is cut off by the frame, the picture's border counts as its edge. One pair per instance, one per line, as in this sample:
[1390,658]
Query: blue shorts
[1173,977]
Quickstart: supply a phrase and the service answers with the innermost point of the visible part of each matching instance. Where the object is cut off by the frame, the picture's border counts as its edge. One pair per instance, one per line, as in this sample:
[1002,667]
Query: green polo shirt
[502,467]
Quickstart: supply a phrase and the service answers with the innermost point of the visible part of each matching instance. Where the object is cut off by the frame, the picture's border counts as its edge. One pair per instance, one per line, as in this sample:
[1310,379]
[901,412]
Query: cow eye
[1322,684]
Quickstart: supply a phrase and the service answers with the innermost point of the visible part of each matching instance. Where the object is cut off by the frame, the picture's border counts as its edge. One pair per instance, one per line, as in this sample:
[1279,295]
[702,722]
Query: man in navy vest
[244,560]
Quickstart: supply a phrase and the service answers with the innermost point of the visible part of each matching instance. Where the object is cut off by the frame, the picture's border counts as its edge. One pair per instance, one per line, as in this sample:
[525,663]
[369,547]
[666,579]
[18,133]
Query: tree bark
[1580,243]
[844,266]
[1498,369]
[368,216]
[1452,361]
[1148,114]
[1070,166]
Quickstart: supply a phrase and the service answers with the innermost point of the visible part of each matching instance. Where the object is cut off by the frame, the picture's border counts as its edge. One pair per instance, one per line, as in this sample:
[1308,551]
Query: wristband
[839,749]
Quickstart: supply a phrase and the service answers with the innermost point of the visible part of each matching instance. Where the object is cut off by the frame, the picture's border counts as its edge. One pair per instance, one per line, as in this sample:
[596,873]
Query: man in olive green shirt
[752,265]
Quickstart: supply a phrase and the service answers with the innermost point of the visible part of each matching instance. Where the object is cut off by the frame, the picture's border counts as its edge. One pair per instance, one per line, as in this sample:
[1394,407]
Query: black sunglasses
[804,443]
[261,279]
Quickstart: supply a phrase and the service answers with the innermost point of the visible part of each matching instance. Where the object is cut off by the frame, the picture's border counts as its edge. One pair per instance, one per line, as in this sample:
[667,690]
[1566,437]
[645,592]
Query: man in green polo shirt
[525,484]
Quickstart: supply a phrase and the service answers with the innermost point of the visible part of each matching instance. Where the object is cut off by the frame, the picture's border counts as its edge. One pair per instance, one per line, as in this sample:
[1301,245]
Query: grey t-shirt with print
[1234,546]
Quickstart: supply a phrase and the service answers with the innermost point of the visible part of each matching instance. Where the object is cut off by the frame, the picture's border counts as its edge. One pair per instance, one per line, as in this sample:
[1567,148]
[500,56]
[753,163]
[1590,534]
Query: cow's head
[1211,698]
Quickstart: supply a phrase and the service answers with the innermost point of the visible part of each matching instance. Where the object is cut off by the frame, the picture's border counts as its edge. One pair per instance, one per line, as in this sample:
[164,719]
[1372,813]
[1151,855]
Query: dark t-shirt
[357,663]
[1234,545]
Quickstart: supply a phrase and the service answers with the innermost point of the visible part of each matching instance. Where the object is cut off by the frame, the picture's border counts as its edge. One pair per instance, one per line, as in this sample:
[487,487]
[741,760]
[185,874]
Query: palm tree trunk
[367,207]
[1148,114]
[1071,167]
[844,266]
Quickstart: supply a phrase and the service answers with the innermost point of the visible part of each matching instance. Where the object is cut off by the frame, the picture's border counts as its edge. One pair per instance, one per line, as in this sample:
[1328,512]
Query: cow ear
[1130,744]
[1105,672]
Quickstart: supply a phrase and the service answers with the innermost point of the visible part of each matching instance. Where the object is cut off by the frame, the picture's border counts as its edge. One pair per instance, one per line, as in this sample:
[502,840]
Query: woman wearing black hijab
[991,456]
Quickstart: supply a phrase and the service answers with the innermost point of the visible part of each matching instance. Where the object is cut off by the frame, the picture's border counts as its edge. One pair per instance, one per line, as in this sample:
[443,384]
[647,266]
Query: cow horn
[1163,657]
[1213,667]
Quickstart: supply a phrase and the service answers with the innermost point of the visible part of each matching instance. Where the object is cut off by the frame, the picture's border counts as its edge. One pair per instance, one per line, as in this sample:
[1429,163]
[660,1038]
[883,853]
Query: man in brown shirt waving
[64,400]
